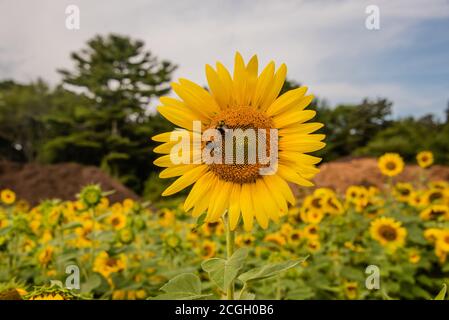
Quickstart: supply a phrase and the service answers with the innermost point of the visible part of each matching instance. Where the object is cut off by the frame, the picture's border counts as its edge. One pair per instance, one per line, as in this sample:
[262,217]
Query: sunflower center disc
[243,118]
[388,233]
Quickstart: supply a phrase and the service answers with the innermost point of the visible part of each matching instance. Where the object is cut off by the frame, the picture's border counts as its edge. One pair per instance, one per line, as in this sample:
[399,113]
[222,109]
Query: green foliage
[100,114]
[407,137]
[223,272]
[186,286]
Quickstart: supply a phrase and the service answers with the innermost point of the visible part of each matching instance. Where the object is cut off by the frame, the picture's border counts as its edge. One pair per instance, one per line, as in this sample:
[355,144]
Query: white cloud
[324,43]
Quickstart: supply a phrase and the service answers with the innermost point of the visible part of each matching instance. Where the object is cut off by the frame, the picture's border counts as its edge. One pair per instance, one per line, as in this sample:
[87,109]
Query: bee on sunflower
[388,232]
[391,164]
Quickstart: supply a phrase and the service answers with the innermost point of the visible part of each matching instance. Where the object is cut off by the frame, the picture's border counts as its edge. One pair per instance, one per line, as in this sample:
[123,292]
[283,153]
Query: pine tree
[111,124]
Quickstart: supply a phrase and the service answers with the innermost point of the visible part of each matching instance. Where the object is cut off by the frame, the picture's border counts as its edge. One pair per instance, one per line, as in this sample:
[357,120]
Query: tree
[22,129]
[111,124]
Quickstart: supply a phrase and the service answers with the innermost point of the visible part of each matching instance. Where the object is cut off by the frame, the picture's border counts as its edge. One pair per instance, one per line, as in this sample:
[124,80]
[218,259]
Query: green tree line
[100,114]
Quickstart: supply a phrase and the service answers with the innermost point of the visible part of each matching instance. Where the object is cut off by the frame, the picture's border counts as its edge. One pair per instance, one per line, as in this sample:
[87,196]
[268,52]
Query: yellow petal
[288,118]
[251,71]
[290,175]
[263,85]
[176,171]
[221,201]
[196,97]
[301,146]
[278,82]
[164,161]
[234,206]
[162,137]
[293,98]
[277,195]
[267,201]
[279,184]
[179,117]
[225,79]
[247,207]
[217,88]
[239,84]
[185,180]
[198,190]
[303,128]
[259,210]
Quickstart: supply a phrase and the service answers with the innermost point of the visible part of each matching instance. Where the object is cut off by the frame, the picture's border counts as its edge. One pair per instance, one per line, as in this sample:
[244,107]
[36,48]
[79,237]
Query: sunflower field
[322,248]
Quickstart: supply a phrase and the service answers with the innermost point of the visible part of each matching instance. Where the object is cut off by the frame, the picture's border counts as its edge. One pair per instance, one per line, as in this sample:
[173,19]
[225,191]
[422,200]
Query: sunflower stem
[230,239]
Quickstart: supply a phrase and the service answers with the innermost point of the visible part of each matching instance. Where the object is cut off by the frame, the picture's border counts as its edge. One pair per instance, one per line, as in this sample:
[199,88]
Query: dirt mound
[34,182]
[364,171]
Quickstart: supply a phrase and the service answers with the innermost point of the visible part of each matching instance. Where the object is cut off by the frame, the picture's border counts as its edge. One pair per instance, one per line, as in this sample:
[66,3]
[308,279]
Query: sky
[325,44]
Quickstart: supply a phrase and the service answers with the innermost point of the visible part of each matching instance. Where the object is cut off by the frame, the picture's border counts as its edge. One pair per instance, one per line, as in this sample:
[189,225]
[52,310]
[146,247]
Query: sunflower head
[391,164]
[91,195]
[239,143]
[402,191]
[7,196]
[424,159]
[388,232]
[435,212]
[351,289]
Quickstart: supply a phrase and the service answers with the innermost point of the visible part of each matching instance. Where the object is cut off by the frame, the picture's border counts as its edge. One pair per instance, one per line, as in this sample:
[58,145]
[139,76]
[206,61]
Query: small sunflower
[208,249]
[352,193]
[333,206]
[276,238]
[244,240]
[246,100]
[442,242]
[424,159]
[416,200]
[432,234]
[388,232]
[7,196]
[414,257]
[435,195]
[313,245]
[117,220]
[391,164]
[435,212]
[350,289]
[45,256]
[311,232]
[402,191]
[106,265]
[295,236]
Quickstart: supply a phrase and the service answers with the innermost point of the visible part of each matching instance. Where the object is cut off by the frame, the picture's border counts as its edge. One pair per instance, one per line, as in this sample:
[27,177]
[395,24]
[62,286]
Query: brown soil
[34,182]
[341,174]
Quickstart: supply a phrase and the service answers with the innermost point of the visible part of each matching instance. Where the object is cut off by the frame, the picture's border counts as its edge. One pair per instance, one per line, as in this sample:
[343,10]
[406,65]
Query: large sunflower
[246,100]
[388,232]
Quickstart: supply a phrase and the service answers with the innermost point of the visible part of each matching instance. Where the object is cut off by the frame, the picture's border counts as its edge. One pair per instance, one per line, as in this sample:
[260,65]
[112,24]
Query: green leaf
[223,272]
[93,282]
[247,296]
[179,296]
[71,225]
[269,270]
[186,286]
[442,294]
[200,221]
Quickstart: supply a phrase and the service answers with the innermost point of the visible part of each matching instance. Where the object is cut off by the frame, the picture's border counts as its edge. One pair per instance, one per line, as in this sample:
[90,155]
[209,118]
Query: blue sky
[324,43]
